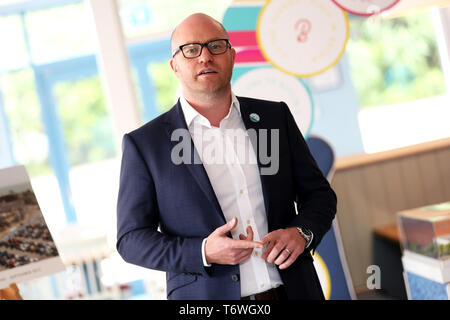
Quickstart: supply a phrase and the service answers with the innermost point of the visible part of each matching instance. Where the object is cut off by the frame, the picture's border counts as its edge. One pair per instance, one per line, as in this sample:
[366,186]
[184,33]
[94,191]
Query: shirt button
[235,277]
[241,191]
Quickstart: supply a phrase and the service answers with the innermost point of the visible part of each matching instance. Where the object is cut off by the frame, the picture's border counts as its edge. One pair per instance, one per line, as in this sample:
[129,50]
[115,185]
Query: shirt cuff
[205,264]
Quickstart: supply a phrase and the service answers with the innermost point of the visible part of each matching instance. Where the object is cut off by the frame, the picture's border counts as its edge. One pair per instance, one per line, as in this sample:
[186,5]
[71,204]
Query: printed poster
[27,249]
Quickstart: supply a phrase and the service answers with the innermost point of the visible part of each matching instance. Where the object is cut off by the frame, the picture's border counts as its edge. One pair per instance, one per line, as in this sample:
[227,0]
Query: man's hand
[221,249]
[285,245]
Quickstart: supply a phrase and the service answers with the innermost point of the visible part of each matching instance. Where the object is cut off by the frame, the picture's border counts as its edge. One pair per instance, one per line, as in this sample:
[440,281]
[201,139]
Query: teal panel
[240,70]
[241,18]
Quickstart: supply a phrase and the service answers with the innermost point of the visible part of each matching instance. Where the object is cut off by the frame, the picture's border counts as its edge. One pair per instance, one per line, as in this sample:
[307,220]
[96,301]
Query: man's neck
[212,107]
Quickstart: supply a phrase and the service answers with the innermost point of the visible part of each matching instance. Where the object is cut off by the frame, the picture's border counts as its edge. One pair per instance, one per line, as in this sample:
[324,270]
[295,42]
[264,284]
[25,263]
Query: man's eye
[190,50]
[215,46]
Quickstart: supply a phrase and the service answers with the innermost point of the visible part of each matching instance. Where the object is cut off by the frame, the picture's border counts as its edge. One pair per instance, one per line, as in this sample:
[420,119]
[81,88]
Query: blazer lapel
[176,120]
[248,112]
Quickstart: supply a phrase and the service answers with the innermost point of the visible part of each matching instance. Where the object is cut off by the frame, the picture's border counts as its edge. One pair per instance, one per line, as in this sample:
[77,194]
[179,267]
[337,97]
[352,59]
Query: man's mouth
[207,71]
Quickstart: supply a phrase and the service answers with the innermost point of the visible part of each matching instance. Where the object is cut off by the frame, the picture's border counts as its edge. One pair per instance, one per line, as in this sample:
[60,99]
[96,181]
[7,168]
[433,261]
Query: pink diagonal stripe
[243,38]
[249,55]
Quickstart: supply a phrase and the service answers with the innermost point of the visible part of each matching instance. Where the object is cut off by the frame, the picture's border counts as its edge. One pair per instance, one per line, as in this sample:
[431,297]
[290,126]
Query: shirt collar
[190,114]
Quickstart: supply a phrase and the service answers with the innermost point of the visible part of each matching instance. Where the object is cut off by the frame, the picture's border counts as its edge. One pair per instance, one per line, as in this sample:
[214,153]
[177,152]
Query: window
[86,124]
[14,55]
[166,84]
[396,71]
[395,61]
[60,32]
[28,133]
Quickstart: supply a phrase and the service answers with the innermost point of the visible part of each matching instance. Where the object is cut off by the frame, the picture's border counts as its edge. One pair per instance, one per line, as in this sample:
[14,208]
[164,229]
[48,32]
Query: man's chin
[211,90]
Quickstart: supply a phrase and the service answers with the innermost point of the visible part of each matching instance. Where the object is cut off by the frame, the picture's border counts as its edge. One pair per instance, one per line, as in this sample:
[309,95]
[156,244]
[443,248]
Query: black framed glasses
[194,50]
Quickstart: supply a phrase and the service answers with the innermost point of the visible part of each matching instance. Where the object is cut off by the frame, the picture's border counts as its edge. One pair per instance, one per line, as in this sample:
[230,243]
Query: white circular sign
[323,274]
[271,84]
[302,37]
[365,7]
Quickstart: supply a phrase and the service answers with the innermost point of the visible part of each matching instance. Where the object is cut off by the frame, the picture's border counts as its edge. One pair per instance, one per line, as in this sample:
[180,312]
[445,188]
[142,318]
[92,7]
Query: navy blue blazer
[165,210]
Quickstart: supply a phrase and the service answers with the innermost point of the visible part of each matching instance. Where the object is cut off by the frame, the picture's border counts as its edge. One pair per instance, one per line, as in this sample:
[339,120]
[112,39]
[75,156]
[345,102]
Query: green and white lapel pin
[254,117]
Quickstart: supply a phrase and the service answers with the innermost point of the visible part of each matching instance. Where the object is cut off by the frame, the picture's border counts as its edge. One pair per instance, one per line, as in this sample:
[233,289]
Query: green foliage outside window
[86,123]
[166,84]
[24,117]
[394,61]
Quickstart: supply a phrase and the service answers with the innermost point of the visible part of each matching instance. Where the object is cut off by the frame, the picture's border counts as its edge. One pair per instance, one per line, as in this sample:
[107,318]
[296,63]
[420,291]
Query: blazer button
[235,277]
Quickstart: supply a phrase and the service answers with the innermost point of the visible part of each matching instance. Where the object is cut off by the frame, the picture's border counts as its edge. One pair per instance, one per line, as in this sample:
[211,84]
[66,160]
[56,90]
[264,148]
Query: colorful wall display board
[365,7]
[302,37]
[27,250]
[257,74]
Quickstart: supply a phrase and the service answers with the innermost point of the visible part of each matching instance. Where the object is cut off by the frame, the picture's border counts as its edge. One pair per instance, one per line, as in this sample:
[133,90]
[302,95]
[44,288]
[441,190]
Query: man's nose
[206,56]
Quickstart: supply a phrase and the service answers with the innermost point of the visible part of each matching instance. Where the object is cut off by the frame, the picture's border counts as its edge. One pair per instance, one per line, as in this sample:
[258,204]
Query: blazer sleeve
[138,239]
[315,199]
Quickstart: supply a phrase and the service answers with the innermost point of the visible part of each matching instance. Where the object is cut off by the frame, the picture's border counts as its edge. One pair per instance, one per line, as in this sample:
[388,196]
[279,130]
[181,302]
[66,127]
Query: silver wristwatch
[307,235]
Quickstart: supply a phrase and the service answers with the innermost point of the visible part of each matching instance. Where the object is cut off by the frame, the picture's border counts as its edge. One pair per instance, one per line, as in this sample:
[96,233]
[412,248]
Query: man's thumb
[230,225]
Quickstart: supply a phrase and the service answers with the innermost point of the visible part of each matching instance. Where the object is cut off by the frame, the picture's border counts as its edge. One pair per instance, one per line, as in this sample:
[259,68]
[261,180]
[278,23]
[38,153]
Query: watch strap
[307,235]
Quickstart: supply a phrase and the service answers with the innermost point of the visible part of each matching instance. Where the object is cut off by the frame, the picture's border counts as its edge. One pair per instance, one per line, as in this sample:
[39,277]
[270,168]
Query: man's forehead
[201,40]
[198,28]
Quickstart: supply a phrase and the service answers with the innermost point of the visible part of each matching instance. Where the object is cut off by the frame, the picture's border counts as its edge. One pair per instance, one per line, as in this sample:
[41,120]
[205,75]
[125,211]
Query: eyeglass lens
[194,50]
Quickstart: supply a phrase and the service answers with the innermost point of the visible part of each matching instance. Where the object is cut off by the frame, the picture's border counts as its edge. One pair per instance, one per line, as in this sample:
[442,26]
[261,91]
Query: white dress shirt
[230,162]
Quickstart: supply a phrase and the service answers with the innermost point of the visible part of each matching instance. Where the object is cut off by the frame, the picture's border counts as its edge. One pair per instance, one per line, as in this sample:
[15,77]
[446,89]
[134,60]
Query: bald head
[186,30]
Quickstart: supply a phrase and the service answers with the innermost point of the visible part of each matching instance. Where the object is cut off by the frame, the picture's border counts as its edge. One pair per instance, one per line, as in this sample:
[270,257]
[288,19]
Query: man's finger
[246,244]
[282,257]
[267,238]
[249,234]
[275,252]
[291,259]
[227,227]
[244,256]
[268,250]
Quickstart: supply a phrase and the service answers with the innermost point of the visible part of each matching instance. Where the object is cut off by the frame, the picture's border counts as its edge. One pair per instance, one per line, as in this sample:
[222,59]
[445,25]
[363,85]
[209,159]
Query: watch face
[307,232]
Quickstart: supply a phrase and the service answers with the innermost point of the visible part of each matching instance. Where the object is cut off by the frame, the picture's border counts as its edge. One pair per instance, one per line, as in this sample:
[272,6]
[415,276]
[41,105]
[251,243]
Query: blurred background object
[11,293]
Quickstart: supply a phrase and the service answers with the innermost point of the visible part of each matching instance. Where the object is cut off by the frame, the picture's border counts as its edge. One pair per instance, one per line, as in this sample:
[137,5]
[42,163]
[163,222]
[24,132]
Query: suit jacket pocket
[179,280]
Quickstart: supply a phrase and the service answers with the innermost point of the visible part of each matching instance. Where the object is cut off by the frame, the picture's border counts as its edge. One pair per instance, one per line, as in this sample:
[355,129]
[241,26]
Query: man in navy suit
[200,197]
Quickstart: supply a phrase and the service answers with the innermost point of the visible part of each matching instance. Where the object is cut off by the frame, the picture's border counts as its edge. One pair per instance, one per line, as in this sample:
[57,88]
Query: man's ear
[233,54]
[174,66]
